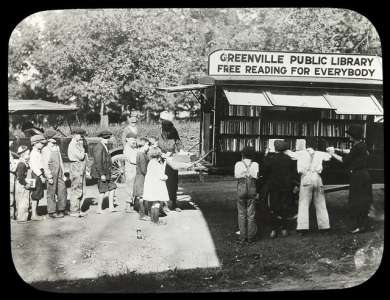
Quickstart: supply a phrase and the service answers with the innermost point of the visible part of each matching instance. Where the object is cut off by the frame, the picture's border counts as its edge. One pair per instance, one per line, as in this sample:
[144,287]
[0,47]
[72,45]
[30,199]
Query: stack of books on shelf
[331,115]
[289,128]
[334,130]
[243,110]
[240,127]
[237,144]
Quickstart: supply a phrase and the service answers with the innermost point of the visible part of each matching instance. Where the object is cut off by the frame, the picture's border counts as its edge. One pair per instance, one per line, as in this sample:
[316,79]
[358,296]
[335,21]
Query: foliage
[121,56]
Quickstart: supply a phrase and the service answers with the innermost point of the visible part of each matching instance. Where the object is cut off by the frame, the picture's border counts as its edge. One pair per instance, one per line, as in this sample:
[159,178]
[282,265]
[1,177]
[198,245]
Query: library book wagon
[252,97]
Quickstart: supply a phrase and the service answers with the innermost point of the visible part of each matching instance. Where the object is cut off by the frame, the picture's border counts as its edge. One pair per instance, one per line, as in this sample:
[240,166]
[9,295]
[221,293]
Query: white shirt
[240,170]
[130,153]
[309,160]
[36,161]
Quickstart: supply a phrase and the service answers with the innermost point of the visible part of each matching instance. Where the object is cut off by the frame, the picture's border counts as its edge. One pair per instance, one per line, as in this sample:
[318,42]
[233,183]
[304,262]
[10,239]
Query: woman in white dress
[155,189]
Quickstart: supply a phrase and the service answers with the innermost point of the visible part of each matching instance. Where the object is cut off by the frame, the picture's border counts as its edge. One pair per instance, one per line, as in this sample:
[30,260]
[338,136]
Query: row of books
[292,128]
[260,145]
[334,130]
[283,128]
[240,126]
[332,115]
[243,110]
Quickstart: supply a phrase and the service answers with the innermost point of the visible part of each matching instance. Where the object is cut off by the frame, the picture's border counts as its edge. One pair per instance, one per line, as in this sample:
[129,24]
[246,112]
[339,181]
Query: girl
[155,189]
[22,187]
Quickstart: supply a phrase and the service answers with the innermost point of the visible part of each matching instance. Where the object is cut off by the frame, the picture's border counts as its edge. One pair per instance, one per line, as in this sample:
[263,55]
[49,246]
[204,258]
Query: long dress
[155,188]
[360,191]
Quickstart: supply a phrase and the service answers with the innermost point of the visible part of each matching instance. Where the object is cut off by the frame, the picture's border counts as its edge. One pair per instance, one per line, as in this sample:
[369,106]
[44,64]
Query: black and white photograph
[182,150]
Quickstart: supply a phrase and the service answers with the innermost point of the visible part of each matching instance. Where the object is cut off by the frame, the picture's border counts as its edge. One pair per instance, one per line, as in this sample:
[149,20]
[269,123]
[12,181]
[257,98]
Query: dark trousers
[360,198]
[279,208]
[172,184]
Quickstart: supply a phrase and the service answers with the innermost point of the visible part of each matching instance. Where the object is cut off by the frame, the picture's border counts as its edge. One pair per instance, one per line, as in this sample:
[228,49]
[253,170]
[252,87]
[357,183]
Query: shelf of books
[258,127]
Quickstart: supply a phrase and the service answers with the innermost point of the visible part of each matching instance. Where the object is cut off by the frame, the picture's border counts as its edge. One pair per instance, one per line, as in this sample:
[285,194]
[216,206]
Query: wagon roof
[37,106]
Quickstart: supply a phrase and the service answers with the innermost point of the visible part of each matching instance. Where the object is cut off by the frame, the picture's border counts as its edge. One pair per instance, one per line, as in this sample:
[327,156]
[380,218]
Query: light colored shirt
[128,129]
[240,170]
[36,161]
[76,150]
[46,156]
[309,160]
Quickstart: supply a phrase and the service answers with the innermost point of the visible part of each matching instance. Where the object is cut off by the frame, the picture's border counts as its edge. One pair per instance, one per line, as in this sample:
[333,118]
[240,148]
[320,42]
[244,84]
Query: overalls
[22,200]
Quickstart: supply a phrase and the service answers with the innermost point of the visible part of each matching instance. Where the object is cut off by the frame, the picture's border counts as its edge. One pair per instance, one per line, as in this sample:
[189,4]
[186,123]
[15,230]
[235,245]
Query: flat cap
[79,130]
[38,138]
[281,145]
[49,133]
[356,131]
[104,133]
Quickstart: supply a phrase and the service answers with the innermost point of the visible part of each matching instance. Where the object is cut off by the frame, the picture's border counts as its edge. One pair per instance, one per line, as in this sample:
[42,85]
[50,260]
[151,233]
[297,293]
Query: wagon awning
[183,88]
[355,104]
[292,99]
[246,97]
[37,106]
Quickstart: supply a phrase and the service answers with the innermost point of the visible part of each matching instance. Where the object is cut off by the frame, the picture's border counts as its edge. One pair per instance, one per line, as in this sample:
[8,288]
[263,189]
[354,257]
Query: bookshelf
[241,126]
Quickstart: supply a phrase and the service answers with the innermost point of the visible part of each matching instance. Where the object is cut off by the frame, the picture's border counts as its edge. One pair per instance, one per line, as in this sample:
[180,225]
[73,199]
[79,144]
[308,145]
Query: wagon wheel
[118,173]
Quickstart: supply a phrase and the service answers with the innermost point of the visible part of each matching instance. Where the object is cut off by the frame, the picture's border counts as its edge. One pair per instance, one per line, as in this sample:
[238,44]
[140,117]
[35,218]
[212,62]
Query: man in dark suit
[101,170]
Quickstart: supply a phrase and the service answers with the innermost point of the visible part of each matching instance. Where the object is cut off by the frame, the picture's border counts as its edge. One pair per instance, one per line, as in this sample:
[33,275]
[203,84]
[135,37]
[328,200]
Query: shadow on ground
[315,261]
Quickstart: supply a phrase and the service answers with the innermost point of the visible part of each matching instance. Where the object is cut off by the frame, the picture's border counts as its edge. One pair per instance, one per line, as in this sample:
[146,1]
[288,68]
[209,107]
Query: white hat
[165,115]
[300,144]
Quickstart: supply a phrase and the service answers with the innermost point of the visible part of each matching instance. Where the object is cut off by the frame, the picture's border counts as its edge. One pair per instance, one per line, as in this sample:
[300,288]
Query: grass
[188,131]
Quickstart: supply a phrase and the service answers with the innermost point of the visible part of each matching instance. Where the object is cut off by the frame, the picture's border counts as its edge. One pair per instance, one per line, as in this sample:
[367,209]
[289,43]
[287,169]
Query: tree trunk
[147,116]
[103,116]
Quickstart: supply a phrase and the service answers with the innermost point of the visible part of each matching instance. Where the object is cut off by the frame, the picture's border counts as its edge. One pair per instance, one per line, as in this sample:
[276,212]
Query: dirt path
[194,249]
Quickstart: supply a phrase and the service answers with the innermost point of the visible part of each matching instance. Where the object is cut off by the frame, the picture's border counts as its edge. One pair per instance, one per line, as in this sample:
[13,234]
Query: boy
[246,171]
[141,167]
[22,187]
[54,173]
[130,152]
[309,166]
[101,170]
[37,173]
[279,173]
[78,165]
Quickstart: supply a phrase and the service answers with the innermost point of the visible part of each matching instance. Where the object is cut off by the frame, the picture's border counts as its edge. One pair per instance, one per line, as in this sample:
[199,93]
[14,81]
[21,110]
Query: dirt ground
[193,250]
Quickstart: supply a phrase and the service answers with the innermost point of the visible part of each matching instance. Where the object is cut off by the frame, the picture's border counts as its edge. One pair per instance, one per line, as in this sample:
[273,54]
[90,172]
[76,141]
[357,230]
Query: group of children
[285,175]
[42,167]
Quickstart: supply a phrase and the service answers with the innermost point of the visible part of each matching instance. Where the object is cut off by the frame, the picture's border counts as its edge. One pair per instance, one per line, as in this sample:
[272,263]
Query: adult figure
[101,170]
[169,143]
[12,169]
[77,169]
[37,173]
[131,127]
[360,189]
[55,175]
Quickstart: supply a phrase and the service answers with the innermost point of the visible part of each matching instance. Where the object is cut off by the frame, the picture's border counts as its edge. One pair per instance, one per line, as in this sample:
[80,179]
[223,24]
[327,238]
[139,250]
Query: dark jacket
[101,162]
[279,172]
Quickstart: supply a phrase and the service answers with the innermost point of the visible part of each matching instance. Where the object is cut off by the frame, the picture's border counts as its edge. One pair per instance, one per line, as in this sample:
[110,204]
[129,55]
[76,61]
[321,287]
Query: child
[101,170]
[246,171]
[37,173]
[309,166]
[141,167]
[155,189]
[22,187]
[54,173]
[279,173]
[130,152]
